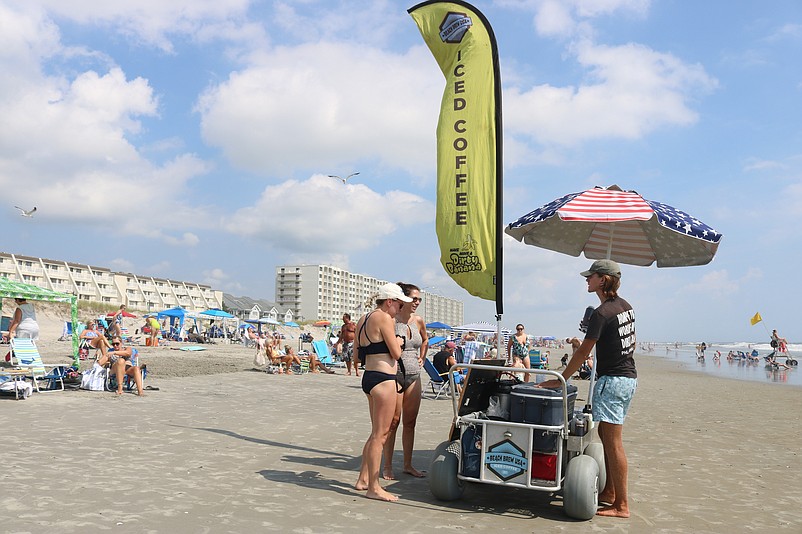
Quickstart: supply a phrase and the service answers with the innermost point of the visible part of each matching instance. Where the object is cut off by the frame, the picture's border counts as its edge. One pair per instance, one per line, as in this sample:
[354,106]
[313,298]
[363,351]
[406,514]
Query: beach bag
[95,378]
[259,360]
[774,343]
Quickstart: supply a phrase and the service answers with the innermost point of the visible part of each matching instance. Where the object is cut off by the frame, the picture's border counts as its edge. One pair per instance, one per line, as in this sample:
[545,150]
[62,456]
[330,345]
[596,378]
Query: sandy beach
[221,448]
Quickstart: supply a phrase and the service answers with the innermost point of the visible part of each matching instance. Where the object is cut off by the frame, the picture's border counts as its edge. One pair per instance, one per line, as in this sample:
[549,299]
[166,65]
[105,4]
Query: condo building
[101,284]
[324,292]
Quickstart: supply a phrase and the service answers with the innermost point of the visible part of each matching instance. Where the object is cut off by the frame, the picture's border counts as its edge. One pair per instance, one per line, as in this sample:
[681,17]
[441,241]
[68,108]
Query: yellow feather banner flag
[756,319]
[468,221]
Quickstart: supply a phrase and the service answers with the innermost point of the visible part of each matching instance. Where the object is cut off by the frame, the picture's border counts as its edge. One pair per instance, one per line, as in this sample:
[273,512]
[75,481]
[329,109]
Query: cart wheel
[581,488]
[596,451]
[443,481]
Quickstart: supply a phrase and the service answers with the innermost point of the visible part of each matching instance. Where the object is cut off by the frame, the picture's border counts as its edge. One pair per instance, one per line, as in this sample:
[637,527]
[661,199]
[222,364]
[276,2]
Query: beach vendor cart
[515,434]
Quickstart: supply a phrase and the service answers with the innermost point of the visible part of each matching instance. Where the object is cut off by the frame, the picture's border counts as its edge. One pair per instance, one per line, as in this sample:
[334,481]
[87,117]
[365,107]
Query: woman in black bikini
[378,382]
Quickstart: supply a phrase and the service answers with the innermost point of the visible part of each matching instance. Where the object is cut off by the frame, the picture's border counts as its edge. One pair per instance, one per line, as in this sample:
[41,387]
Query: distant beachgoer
[780,344]
[155,328]
[117,318]
[346,336]
[94,339]
[518,349]
[611,329]
[23,324]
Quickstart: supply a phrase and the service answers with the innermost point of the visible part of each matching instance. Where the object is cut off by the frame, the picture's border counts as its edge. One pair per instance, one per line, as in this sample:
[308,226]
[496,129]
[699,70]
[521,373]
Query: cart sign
[506,460]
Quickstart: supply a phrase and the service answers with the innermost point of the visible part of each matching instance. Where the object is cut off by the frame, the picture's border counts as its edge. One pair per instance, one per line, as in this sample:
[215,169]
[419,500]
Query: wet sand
[242,451]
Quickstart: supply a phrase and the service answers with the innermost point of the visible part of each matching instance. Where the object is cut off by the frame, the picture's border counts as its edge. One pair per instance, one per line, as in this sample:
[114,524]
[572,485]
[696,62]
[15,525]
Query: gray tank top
[411,351]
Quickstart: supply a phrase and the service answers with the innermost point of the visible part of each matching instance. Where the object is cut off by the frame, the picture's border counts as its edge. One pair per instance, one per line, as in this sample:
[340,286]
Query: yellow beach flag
[468,220]
[756,319]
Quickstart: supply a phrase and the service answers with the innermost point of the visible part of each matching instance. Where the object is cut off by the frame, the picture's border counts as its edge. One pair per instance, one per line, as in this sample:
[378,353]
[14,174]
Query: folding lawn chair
[324,356]
[439,383]
[26,356]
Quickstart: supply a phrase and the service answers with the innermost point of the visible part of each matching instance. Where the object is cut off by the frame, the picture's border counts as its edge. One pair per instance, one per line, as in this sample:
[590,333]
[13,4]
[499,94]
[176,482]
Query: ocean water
[737,369]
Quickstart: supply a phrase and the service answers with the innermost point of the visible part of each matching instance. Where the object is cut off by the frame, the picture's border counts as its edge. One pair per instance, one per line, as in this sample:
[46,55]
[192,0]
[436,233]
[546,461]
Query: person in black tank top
[611,329]
[376,340]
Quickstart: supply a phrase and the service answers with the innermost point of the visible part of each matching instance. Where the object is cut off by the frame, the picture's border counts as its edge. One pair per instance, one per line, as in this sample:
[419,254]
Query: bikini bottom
[371,379]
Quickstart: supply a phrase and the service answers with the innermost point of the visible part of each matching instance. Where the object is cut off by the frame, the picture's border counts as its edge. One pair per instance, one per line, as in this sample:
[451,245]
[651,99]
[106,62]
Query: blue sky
[191,139]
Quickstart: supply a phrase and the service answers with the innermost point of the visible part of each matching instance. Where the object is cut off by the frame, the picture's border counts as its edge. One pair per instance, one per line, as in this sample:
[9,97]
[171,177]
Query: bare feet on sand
[361,485]
[381,495]
[611,511]
[414,472]
[387,473]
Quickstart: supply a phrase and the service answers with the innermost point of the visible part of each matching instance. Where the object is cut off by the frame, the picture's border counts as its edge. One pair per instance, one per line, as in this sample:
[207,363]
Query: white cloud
[154,21]
[121,265]
[720,284]
[326,105]
[792,198]
[71,140]
[554,18]
[755,164]
[631,91]
[313,215]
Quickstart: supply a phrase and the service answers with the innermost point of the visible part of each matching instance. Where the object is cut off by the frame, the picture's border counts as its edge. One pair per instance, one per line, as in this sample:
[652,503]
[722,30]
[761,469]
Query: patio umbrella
[438,326]
[216,312]
[618,225]
[125,314]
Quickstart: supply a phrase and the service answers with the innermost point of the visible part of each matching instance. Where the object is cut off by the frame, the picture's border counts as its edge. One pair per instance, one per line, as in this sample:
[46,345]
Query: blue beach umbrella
[438,326]
[216,312]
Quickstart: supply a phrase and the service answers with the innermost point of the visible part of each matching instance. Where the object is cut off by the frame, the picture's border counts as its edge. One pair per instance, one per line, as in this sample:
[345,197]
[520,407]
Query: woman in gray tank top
[413,329]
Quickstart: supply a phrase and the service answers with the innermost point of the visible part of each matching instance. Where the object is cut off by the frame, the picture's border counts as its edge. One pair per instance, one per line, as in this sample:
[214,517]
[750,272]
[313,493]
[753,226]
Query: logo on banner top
[454,27]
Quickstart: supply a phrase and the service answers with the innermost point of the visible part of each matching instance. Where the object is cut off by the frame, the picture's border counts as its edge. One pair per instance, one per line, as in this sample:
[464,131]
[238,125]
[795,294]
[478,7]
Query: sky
[193,139]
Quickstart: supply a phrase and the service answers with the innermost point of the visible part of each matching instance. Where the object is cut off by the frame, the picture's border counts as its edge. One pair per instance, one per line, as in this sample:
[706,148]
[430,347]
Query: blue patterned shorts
[611,398]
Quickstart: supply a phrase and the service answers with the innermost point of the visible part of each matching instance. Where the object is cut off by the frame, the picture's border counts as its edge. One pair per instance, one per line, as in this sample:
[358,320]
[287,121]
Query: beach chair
[537,360]
[66,331]
[128,382]
[26,356]
[438,382]
[324,356]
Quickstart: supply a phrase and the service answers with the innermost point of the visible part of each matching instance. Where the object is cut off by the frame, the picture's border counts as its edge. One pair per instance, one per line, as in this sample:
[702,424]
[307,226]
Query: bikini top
[379,347]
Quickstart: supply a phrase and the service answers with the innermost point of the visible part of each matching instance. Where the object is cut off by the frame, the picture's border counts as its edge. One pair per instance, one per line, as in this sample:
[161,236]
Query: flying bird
[26,213]
[343,179]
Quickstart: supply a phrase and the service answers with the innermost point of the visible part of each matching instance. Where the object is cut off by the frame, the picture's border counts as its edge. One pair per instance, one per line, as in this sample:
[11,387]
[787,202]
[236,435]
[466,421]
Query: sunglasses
[116,344]
[518,328]
[416,299]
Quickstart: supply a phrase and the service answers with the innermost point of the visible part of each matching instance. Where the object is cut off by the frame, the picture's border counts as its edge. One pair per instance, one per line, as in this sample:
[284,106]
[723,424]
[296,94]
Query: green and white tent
[9,289]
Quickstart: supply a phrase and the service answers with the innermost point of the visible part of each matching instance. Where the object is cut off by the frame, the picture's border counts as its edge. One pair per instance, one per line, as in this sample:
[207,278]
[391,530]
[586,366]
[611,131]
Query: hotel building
[101,284]
[323,292]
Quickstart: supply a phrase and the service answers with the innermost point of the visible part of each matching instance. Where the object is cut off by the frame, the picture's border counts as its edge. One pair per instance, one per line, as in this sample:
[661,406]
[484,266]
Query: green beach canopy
[10,289]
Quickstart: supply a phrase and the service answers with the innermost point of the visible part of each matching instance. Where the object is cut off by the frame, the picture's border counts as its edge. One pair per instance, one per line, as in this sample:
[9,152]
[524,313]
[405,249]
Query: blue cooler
[540,406]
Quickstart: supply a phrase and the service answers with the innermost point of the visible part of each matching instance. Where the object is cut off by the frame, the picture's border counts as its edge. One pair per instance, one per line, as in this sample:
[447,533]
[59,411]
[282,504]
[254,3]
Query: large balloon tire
[596,451]
[443,481]
[581,488]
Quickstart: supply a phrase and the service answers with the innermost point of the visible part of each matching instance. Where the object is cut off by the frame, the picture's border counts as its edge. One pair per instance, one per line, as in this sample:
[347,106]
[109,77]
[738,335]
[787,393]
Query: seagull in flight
[340,178]
[26,213]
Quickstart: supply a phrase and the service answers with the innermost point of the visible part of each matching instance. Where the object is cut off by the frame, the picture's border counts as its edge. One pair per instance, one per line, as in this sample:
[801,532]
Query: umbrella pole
[589,404]
[498,335]
[610,245]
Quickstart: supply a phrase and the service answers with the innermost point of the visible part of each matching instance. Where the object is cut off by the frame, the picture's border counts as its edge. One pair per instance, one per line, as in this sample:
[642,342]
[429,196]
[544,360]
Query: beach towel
[192,348]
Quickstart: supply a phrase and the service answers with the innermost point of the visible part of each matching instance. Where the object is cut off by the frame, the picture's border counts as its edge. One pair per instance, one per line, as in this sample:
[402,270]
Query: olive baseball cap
[603,267]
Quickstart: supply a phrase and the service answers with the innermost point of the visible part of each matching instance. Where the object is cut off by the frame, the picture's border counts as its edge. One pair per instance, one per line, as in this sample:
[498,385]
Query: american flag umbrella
[608,223]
